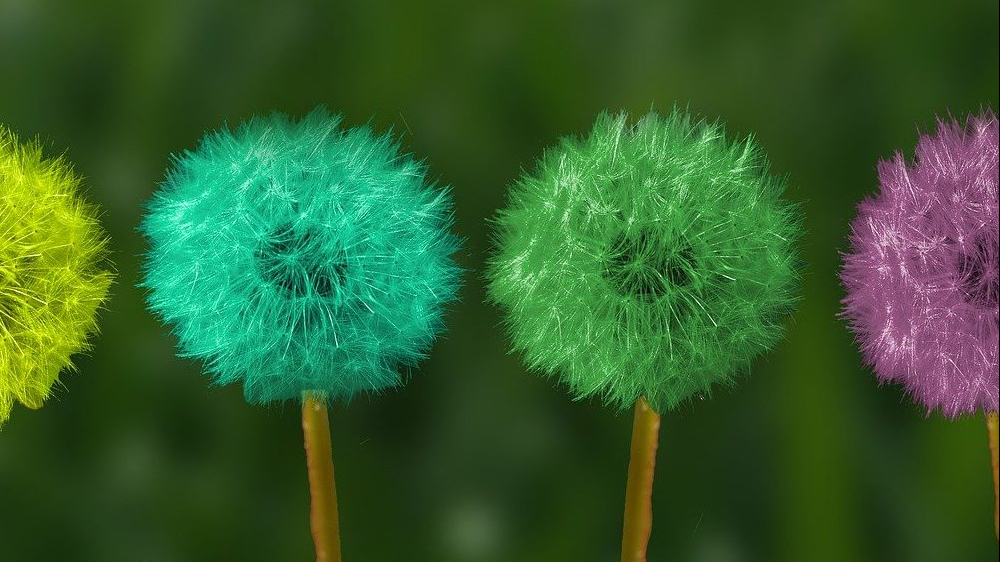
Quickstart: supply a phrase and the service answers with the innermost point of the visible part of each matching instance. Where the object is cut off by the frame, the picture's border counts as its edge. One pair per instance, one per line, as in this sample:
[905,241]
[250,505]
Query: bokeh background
[136,458]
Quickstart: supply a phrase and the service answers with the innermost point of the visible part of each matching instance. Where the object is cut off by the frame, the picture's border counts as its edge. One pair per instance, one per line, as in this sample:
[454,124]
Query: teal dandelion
[302,261]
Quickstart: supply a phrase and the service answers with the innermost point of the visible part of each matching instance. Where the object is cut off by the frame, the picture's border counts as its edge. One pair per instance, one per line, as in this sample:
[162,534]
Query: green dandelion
[53,274]
[646,264]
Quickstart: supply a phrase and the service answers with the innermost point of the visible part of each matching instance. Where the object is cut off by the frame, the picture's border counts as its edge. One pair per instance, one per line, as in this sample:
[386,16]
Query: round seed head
[653,259]
[53,272]
[296,256]
[921,277]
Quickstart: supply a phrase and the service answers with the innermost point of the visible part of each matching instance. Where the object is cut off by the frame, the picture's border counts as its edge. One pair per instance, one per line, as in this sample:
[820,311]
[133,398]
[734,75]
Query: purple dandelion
[921,278]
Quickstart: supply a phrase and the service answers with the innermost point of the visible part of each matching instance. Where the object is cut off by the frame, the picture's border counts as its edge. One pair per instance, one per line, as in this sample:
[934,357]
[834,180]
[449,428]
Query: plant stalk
[323,516]
[639,490]
[991,424]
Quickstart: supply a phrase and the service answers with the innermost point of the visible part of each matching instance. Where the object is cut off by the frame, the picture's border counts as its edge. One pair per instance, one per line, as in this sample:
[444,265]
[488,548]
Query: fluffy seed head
[653,260]
[294,256]
[52,272]
[921,277]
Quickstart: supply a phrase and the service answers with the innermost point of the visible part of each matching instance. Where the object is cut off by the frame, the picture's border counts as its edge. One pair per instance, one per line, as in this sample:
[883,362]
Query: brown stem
[319,459]
[639,491]
[991,424]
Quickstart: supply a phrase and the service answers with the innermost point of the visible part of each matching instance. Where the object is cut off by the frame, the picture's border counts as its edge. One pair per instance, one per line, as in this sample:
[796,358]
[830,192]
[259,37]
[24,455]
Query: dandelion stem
[991,424]
[319,459]
[639,491]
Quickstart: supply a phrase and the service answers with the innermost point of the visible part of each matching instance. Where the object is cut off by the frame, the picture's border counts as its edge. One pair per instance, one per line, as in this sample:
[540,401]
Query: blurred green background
[476,460]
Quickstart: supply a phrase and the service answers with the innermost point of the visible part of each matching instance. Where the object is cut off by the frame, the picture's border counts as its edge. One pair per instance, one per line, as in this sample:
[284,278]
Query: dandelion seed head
[294,256]
[53,272]
[921,276]
[650,259]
